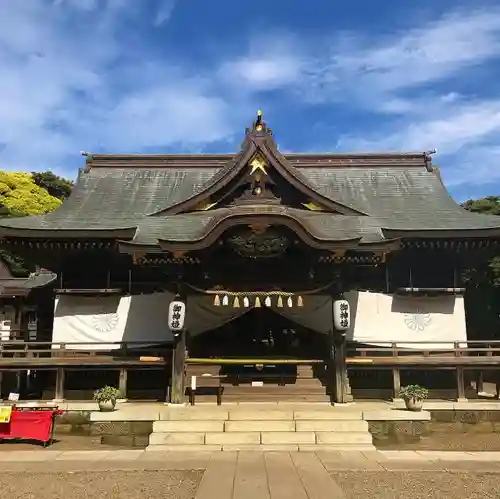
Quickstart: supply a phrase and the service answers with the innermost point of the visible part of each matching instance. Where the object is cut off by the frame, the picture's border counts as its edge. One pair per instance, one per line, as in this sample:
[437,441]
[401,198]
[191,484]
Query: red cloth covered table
[29,425]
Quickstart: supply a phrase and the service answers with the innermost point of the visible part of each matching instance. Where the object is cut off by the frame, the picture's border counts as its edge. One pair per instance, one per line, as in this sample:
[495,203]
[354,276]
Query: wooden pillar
[178,363]
[342,390]
[460,384]
[122,383]
[59,392]
[479,383]
[396,382]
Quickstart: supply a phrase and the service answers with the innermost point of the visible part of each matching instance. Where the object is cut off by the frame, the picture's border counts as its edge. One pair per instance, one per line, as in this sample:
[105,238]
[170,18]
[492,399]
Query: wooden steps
[304,383]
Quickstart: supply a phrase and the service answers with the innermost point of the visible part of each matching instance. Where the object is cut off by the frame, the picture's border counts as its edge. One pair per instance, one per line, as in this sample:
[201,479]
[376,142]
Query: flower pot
[414,404]
[107,405]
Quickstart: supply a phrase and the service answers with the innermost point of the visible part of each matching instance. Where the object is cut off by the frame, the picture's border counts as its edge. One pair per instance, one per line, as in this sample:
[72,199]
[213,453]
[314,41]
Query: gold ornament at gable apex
[258,124]
[258,164]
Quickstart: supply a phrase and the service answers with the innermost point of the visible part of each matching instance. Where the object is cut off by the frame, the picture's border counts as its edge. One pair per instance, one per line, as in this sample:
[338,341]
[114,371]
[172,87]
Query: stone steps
[265,429]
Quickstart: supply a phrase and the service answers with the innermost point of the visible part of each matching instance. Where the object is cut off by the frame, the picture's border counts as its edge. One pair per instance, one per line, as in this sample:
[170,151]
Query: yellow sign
[5,412]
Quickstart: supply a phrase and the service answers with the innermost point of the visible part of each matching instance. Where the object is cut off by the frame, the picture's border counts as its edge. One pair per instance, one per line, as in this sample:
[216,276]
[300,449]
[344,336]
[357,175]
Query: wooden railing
[459,356]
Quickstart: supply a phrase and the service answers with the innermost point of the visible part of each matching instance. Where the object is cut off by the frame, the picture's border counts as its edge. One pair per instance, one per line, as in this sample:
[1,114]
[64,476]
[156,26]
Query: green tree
[20,196]
[483,280]
[56,186]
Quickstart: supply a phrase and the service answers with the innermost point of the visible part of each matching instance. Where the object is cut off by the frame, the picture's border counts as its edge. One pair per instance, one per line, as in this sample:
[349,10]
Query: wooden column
[479,383]
[396,383]
[178,363]
[59,392]
[460,384]
[342,391]
[122,382]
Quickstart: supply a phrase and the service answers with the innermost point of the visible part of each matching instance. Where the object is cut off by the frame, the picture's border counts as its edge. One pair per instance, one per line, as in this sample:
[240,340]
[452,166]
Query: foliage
[24,194]
[56,186]
[107,394]
[20,196]
[413,392]
[490,205]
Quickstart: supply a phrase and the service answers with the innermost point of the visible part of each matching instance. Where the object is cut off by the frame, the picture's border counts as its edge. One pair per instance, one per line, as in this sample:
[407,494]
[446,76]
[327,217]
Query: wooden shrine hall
[259,245]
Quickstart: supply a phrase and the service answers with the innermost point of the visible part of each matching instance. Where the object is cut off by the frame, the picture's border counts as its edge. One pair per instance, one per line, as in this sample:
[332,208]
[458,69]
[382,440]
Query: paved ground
[248,475]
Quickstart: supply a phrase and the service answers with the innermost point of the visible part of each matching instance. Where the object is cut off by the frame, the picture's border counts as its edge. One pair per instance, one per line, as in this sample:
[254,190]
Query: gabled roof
[147,199]
[21,286]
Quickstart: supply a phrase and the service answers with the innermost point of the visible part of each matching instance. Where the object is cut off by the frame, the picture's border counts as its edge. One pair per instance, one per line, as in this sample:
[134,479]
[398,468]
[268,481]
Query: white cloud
[62,91]
[70,83]
[164,11]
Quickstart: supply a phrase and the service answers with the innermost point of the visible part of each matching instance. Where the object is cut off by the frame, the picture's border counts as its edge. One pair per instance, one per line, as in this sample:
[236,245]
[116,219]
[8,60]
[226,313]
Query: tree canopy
[56,186]
[21,196]
[490,205]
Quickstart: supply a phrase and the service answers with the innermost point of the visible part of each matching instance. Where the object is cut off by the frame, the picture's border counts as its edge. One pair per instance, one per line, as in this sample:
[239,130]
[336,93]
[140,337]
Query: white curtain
[100,320]
[378,317]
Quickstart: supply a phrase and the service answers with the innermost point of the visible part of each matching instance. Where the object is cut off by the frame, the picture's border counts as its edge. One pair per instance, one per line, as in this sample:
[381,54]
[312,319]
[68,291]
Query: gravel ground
[102,485]
[469,442]
[62,442]
[418,485]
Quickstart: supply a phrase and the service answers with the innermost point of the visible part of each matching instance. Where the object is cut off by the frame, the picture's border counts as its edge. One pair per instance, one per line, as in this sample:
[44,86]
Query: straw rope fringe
[259,300]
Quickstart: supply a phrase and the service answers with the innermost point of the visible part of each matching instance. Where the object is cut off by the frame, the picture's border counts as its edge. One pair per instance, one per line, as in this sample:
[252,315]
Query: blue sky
[189,75]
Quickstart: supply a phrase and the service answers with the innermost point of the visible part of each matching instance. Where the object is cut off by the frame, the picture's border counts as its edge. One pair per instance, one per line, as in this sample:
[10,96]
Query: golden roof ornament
[259,126]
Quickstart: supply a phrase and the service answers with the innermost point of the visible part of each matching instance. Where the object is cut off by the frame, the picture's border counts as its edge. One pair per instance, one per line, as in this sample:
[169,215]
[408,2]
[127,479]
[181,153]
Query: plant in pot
[414,396]
[106,398]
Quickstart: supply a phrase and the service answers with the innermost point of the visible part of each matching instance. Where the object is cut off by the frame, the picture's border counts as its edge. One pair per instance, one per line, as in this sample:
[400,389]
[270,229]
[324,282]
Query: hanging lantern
[217,301]
[236,303]
[279,303]
[341,315]
[257,302]
[176,316]
[225,300]
[246,302]
[267,301]
[300,302]
[289,302]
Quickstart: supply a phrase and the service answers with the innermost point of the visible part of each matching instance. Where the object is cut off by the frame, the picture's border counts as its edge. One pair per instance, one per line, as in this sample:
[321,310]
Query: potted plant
[106,398]
[414,396]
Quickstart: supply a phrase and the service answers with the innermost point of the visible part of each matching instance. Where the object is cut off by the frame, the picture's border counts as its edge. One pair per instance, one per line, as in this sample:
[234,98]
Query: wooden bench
[200,384]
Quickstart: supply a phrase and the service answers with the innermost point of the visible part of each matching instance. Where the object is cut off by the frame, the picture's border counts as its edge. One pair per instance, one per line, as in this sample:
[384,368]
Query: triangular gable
[253,176]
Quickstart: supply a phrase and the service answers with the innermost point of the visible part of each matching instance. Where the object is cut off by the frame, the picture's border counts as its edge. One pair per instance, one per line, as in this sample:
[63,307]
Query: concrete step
[196,413]
[178,438]
[233,438]
[260,447]
[332,425]
[287,437]
[259,426]
[327,413]
[197,426]
[184,448]
[256,414]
